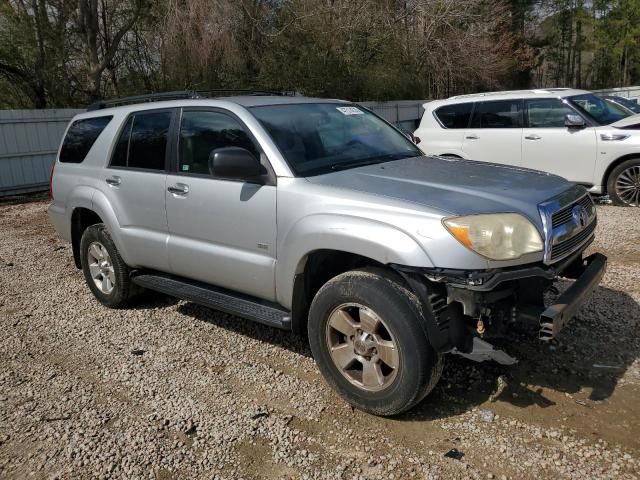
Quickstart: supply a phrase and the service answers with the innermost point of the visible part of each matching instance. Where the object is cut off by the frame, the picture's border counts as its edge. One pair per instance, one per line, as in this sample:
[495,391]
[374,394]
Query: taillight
[417,140]
[51,181]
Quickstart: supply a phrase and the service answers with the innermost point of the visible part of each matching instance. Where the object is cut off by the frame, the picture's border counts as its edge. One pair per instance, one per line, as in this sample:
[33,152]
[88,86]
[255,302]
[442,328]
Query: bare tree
[99,41]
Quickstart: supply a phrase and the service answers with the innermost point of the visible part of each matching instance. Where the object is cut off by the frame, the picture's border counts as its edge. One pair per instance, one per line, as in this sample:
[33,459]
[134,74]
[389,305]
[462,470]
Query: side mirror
[234,163]
[573,120]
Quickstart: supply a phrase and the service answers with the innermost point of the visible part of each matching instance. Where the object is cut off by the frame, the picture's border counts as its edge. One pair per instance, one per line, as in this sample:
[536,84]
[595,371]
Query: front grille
[564,216]
[567,246]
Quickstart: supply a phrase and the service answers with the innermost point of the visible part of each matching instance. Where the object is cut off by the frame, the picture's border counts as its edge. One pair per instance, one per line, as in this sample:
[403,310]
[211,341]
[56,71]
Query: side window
[455,116]
[201,132]
[546,113]
[80,137]
[143,141]
[498,114]
[119,158]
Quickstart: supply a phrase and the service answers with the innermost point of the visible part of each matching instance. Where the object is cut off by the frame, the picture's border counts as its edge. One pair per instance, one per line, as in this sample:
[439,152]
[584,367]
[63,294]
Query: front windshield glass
[630,104]
[317,138]
[596,108]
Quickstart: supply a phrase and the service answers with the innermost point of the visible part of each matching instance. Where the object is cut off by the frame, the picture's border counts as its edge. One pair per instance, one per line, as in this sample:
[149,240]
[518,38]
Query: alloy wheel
[628,186]
[101,268]
[362,347]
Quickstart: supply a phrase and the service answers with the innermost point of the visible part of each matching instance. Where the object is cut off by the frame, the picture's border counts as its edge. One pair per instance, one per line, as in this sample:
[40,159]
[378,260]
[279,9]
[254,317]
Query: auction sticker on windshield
[350,110]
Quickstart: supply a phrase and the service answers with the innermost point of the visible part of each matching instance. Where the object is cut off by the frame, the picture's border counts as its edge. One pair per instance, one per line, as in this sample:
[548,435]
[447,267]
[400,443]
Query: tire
[99,255]
[623,184]
[373,297]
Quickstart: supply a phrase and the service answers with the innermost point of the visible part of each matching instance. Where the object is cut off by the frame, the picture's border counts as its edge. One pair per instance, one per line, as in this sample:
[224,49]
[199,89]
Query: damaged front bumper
[464,309]
[555,316]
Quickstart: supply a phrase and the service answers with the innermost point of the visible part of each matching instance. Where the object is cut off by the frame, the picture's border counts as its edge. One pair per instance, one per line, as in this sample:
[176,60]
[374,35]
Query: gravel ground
[168,389]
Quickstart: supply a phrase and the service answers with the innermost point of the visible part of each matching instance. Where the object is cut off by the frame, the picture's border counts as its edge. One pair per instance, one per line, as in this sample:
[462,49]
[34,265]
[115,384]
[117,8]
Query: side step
[221,299]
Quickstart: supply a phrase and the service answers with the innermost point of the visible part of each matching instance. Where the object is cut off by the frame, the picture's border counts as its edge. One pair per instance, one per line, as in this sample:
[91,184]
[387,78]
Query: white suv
[571,133]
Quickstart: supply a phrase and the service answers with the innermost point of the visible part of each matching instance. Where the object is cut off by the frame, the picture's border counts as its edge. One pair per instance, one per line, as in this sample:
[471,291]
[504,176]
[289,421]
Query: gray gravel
[168,389]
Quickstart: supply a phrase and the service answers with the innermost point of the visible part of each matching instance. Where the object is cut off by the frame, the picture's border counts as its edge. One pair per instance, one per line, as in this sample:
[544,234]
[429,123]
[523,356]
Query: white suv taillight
[51,181]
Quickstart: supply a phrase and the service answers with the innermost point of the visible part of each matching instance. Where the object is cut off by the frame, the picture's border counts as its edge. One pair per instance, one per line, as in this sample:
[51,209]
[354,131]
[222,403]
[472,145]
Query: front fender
[376,240]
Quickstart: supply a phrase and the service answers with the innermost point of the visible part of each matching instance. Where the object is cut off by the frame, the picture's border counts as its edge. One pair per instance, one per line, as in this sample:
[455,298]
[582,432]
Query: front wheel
[367,337]
[623,185]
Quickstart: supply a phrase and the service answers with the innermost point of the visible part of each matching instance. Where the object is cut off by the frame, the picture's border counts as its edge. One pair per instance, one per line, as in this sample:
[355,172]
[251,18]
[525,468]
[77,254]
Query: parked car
[571,133]
[625,105]
[319,217]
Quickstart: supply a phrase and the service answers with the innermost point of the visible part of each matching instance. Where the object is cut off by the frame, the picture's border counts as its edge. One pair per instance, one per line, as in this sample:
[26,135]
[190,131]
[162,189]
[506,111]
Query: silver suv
[317,216]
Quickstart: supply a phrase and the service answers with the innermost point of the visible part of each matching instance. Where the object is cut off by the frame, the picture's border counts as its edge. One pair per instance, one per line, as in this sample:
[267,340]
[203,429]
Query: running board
[221,299]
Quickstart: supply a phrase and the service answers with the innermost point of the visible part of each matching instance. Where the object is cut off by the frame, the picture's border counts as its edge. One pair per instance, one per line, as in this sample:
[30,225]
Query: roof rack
[180,95]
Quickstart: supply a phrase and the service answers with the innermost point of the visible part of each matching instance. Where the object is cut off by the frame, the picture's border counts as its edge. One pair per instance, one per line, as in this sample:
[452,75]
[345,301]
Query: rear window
[455,116]
[498,114]
[80,137]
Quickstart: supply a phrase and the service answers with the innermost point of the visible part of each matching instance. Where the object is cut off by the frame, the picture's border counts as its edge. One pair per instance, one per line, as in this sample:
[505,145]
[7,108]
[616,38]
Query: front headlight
[498,236]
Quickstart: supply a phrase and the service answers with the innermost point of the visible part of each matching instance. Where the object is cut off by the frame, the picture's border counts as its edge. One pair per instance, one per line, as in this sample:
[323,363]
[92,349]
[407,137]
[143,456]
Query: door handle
[113,181]
[533,136]
[179,189]
[472,136]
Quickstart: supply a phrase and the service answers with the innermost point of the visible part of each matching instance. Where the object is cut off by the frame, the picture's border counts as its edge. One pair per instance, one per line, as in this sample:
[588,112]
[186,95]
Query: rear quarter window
[80,137]
[455,116]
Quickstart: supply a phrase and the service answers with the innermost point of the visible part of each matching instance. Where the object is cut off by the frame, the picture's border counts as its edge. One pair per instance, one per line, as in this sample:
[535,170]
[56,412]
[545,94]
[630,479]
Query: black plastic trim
[228,301]
[567,305]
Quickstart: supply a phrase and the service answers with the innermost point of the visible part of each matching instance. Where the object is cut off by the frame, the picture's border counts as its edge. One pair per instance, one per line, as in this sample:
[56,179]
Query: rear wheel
[104,269]
[623,185]
[366,334]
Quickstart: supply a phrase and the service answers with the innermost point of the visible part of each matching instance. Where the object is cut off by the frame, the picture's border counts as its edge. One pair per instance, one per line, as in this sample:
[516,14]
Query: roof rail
[180,95]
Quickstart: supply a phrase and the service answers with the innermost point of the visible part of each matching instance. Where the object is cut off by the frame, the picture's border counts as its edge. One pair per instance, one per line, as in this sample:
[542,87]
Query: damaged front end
[466,309]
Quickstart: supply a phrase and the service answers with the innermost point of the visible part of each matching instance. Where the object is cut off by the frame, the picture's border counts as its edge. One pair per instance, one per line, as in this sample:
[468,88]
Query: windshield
[317,138]
[625,102]
[597,108]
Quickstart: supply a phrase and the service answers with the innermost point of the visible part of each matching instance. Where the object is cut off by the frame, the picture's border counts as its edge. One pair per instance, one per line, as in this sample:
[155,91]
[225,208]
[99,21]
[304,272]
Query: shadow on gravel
[592,353]
[257,331]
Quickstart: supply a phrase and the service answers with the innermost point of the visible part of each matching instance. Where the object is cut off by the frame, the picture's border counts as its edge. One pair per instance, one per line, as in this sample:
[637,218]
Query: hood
[631,123]
[453,186]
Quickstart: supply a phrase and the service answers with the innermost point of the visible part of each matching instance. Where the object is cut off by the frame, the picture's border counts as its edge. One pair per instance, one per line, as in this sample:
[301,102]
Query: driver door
[221,231]
[549,146]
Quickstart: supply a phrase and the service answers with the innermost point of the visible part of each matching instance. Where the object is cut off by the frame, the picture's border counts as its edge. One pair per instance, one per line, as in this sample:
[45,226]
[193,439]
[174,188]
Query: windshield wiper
[372,161]
[362,163]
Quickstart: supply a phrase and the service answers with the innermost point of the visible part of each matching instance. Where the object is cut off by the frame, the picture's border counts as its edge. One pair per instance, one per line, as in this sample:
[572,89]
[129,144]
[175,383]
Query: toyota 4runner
[317,216]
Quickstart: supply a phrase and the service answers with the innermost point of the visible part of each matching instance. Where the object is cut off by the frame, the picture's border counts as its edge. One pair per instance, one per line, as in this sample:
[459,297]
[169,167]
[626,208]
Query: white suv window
[546,113]
[455,116]
[498,114]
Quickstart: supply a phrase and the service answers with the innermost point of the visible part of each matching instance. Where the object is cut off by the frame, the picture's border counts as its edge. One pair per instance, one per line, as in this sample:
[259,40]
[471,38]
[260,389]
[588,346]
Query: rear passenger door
[549,146]
[135,184]
[222,231]
[495,134]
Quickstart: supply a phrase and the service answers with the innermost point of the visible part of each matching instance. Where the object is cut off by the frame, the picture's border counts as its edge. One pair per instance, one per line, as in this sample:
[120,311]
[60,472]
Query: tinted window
[498,114]
[121,151]
[596,108]
[148,143]
[546,113]
[630,104]
[455,116]
[316,138]
[81,136]
[143,141]
[201,132]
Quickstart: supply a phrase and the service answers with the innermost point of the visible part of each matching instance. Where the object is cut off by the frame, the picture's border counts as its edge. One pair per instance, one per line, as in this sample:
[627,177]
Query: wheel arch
[314,270]
[612,166]
[81,219]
